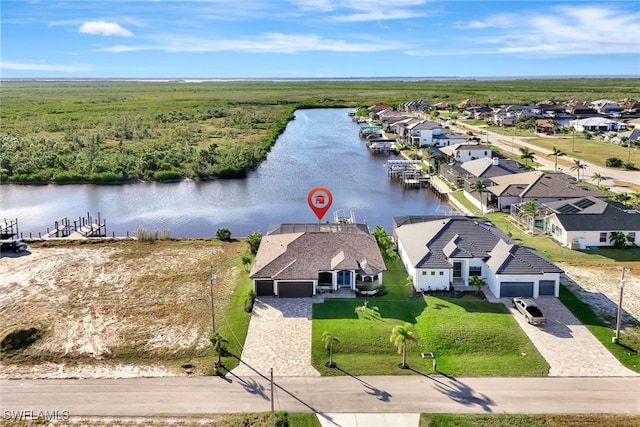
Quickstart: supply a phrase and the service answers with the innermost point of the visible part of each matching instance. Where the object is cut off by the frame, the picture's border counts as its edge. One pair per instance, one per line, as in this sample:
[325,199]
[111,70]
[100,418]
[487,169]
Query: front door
[457,269]
[344,279]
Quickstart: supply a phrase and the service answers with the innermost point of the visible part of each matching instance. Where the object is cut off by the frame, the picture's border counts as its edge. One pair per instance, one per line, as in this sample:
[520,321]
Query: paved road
[391,394]
[609,175]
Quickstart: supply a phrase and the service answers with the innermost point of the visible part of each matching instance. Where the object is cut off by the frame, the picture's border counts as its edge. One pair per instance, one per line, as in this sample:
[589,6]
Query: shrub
[253,240]
[249,301]
[170,175]
[613,162]
[105,178]
[223,234]
[63,176]
[629,166]
[144,235]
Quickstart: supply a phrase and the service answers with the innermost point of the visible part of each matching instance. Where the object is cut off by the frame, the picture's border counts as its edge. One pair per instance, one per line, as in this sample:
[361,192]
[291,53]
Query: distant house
[588,222]
[431,133]
[545,127]
[605,106]
[465,152]
[298,260]
[464,175]
[596,124]
[470,102]
[536,185]
[444,252]
[415,105]
[579,109]
[441,106]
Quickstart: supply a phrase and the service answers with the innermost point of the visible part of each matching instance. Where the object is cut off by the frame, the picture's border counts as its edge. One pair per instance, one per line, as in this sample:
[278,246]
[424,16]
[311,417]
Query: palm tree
[596,177]
[529,209]
[328,340]
[218,342]
[526,155]
[399,337]
[477,282]
[578,165]
[479,187]
[556,153]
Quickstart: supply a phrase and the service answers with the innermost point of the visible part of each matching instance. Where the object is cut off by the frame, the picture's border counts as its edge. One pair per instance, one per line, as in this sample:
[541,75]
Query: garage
[547,287]
[264,288]
[516,289]
[295,289]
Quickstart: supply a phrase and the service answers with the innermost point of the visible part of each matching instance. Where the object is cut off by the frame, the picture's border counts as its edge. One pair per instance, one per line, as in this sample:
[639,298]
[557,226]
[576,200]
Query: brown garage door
[264,287]
[295,289]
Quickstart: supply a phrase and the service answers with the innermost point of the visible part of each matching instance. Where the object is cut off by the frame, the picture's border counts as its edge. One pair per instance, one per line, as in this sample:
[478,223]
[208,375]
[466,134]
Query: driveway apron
[279,337]
[567,345]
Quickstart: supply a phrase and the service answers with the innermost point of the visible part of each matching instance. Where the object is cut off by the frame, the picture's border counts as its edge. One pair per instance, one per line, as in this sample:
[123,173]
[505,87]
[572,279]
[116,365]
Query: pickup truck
[530,311]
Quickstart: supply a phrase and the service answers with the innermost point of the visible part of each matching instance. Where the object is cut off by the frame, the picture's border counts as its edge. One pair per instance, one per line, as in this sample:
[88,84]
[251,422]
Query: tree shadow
[251,386]
[459,392]
[382,395]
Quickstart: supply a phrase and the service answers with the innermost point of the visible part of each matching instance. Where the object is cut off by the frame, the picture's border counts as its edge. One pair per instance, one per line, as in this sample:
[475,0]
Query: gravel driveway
[567,345]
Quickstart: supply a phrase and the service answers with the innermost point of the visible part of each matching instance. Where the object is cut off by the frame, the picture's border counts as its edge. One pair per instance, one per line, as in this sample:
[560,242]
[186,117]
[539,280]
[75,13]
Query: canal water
[320,147]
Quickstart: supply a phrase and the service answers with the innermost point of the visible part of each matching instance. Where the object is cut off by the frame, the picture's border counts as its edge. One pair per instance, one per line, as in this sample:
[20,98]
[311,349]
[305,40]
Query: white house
[596,124]
[444,252]
[466,152]
[588,222]
[431,133]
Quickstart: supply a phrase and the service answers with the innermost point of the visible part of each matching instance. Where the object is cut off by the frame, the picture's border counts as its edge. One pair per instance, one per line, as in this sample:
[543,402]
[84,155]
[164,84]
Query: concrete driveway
[567,345]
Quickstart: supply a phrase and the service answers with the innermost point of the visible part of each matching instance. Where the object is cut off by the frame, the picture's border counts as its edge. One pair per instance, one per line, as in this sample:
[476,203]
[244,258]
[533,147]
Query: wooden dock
[408,172]
[83,228]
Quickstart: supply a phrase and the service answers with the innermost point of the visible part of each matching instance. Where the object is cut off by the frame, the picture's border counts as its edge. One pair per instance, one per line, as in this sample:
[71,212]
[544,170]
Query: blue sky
[318,38]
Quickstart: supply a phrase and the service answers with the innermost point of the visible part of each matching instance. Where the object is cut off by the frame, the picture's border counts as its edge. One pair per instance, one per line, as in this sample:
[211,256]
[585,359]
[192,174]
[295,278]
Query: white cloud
[9,65]
[265,43]
[586,30]
[104,28]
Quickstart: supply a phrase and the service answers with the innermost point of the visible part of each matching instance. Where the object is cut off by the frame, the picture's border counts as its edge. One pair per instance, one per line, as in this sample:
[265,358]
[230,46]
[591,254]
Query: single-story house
[444,252]
[536,185]
[588,221]
[299,260]
[596,124]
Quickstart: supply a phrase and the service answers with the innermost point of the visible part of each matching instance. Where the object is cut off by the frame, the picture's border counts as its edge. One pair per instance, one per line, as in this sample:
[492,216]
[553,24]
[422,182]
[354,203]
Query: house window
[424,273]
[475,271]
[485,153]
[433,273]
[603,237]
[442,273]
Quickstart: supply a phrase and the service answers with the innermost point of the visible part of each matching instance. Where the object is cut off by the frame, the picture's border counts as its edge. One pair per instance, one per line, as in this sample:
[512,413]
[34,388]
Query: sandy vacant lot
[98,310]
[91,308]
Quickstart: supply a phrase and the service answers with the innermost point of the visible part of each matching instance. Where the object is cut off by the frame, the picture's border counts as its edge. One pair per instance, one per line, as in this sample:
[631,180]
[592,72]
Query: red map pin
[319,199]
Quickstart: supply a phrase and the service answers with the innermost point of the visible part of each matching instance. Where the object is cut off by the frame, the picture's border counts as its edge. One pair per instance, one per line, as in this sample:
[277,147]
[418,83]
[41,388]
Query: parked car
[530,311]
[474,138]
[13,245]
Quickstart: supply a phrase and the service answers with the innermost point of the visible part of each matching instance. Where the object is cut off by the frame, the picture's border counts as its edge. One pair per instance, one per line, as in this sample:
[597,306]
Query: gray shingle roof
[578,215]
[534,185]
[302,255]
[430,244]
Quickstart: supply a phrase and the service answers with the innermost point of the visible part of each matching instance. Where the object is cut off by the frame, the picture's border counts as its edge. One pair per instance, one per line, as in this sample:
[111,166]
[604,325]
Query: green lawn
[469,336]
[527,420]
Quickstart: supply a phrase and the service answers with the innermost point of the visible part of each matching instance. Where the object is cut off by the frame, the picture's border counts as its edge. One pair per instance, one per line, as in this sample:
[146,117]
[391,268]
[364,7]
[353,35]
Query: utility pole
[214,279]
[273,417]
[616,339]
